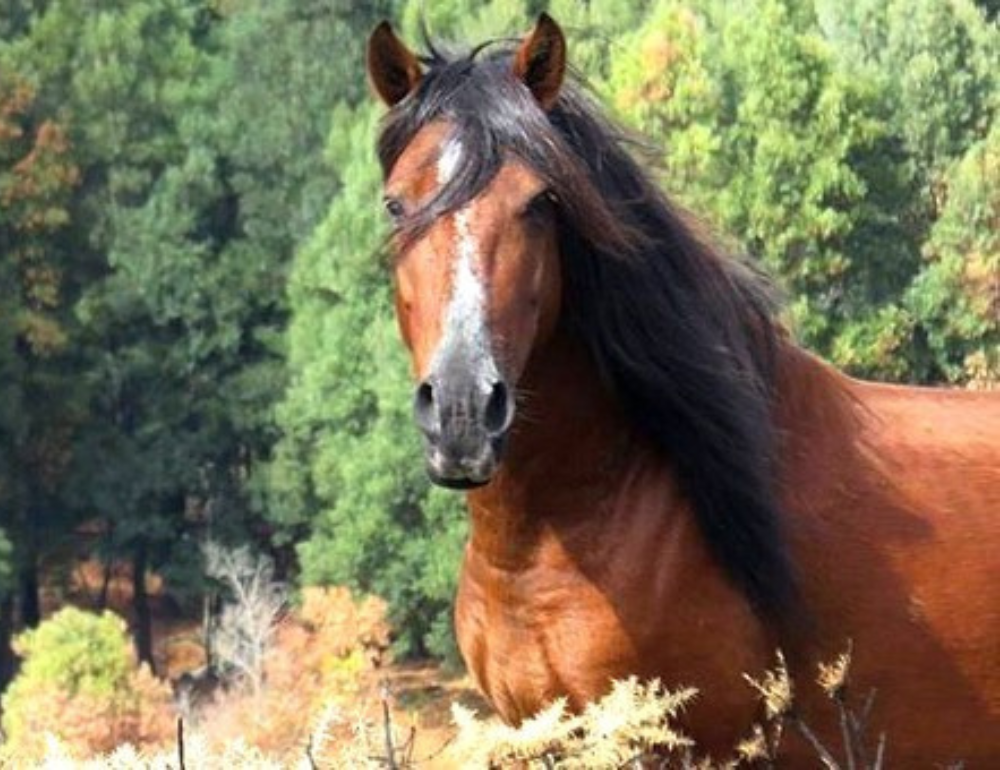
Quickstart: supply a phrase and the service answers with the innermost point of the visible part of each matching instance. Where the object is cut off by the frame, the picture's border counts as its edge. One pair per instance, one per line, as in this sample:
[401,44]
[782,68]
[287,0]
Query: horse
[660,481]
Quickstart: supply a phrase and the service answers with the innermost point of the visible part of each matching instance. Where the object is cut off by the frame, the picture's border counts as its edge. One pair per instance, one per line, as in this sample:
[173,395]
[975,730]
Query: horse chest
[589,610]
[559,631]
[531,636]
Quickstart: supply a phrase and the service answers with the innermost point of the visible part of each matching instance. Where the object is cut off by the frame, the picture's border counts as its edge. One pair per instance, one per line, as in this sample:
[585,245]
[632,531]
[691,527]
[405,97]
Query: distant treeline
[196,336]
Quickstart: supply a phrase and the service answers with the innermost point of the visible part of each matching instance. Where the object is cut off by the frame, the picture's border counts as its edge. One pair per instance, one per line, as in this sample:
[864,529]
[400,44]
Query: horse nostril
[499,410]
[424,408]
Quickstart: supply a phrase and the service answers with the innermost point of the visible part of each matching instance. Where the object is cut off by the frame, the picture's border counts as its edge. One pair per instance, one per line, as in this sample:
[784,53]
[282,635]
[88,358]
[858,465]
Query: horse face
[479,289]
[476,293]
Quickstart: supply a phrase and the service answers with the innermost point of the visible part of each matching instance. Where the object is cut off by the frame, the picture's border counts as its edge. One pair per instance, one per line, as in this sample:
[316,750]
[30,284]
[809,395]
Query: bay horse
[660,481]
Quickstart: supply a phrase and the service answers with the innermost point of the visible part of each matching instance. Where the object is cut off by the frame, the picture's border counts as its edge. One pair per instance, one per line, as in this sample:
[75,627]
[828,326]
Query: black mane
[685,337]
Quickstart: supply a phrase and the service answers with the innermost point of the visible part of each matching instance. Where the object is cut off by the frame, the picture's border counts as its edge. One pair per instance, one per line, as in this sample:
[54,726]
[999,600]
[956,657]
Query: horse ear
[393,69]
[540,61]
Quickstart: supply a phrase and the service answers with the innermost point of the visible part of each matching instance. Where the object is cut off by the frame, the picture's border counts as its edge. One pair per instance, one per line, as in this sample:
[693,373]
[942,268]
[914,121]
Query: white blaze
[465,316]
[448,161]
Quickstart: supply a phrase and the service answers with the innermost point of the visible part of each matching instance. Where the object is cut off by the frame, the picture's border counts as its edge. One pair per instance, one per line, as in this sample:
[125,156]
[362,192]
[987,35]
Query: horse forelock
[684,336]
[495,119]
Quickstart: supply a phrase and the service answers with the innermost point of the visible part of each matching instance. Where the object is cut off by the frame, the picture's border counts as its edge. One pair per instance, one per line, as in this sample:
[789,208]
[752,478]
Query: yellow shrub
[80,683]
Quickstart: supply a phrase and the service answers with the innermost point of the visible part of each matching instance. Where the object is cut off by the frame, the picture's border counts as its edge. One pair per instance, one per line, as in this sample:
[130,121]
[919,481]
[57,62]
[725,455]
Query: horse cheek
[404,320]
[403,298]
[548,293]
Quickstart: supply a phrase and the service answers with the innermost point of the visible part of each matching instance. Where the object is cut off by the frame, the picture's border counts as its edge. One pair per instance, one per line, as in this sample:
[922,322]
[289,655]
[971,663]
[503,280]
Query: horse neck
[816,410]
[566,448]
[571,444]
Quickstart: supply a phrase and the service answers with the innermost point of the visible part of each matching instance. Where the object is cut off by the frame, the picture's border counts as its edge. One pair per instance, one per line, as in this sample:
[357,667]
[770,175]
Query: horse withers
[660,482]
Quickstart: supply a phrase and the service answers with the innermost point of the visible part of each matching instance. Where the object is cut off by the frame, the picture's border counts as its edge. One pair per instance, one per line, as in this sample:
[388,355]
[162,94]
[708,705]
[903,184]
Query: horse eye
[394,208]
[539,206]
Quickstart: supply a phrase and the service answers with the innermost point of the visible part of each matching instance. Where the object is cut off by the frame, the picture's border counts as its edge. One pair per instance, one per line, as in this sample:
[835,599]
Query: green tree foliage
[200,133]
[943,62]
[780,149]
[990,8]
[348,474]
[39,411]
[282,66]
[77,651]
[17,16]
[935,67]
[181,231]
[123,76]
[954,303]
[818,146]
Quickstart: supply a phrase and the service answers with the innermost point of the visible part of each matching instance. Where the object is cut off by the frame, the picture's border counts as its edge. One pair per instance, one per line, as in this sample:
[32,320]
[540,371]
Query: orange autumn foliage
[324,655]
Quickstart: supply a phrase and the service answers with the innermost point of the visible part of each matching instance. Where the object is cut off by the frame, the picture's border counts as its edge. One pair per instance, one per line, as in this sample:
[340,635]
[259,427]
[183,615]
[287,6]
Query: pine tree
[39,411]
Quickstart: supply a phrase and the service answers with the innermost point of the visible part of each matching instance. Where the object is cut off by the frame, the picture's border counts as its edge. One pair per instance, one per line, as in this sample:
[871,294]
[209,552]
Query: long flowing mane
[684,337]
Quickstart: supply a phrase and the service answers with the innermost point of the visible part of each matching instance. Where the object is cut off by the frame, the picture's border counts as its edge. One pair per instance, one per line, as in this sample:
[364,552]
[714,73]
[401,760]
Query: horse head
[477,278]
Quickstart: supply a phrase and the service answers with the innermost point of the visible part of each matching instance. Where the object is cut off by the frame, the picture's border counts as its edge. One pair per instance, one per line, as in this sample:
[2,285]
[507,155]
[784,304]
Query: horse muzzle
[464,422]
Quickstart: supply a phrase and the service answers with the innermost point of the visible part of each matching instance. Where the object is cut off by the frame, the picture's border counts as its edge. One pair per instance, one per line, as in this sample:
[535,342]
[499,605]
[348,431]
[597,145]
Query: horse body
[906,550]
[660,482]
[585,565]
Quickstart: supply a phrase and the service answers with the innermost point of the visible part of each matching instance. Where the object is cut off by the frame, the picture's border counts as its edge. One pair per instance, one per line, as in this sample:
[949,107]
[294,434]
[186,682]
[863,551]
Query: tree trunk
[140,602]
[108,565]
[31,605]
[102,597]
[208,627]
[6,634]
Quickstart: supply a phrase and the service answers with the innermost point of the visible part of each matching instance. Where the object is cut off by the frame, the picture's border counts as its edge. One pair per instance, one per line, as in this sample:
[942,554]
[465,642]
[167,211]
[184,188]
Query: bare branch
[309,754]
[825,756]
[390,749]
[246,625]
[180,743]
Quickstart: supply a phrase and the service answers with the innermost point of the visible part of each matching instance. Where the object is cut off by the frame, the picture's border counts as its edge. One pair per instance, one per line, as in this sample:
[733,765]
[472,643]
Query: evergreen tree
[936,65]
[349,474]
[954,303]
[781,150]
[122,76]
[943,61]
[38,407]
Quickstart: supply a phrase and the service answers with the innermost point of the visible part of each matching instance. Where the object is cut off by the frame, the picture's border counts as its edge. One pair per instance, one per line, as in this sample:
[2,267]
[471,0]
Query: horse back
[899,522]
[937,453]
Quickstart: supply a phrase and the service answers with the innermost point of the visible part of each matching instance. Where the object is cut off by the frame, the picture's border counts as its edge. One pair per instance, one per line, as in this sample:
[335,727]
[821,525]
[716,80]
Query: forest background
[196,335]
